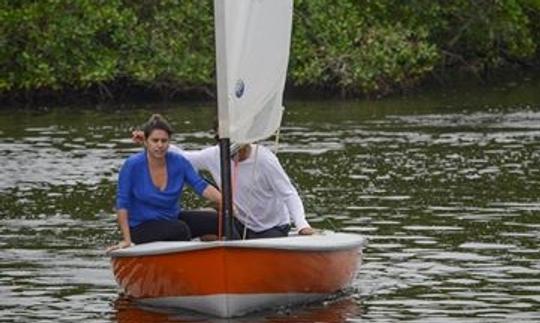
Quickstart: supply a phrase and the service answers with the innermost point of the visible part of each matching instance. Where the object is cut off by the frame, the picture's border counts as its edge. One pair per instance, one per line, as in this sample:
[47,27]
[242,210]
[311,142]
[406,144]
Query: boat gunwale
[291,243]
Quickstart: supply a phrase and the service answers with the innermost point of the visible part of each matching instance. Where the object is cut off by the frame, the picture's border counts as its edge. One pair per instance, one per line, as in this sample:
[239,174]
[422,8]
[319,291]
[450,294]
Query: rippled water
[446,187]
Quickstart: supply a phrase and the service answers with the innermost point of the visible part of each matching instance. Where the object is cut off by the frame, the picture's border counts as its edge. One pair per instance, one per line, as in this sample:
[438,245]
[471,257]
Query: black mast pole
[223,117]
[226,188]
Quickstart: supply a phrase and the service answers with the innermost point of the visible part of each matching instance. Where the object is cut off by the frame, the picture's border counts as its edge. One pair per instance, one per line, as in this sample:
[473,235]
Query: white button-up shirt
[263,194]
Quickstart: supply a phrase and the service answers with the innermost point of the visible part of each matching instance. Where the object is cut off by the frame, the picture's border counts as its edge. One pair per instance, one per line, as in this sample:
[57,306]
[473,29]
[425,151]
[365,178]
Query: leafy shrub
[344,46]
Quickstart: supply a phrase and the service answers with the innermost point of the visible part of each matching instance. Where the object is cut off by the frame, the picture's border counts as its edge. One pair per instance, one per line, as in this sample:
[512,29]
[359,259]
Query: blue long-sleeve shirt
[143,200]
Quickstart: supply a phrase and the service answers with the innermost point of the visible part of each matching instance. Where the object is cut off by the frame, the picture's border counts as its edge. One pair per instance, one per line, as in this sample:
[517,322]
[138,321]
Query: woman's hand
[307,231]
[120,245]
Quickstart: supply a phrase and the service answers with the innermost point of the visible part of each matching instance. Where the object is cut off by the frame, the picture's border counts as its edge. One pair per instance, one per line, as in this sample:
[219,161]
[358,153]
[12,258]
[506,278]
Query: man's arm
[281,183]
[199,159]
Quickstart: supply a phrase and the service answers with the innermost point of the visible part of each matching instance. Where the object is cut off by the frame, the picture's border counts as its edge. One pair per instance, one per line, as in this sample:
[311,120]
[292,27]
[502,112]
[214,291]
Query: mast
[223,117]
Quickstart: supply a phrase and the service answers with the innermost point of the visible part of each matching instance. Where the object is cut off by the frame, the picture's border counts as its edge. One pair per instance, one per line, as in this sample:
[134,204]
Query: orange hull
[235,270]
[248,272]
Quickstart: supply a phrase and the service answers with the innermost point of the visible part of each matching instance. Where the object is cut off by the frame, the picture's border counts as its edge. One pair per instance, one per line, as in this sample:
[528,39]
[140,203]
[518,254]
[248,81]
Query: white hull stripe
[230,305]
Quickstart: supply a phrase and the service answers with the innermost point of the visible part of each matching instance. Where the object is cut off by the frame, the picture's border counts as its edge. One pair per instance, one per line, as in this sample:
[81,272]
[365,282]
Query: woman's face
[157,143]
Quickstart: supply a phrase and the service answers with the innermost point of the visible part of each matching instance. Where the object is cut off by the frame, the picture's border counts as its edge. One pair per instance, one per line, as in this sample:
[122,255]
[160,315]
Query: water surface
[445,185]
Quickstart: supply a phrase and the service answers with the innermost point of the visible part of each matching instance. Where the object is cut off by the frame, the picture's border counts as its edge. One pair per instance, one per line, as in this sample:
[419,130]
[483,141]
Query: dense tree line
[354,47]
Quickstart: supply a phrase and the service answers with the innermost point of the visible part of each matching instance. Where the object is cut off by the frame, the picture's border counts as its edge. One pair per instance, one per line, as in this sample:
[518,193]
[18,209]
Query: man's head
[240,151]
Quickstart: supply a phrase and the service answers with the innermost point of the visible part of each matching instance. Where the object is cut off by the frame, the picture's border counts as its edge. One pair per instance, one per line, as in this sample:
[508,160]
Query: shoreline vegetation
[66,51]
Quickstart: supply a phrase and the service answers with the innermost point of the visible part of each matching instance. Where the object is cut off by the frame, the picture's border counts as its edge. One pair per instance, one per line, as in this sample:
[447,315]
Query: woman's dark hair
[156,121]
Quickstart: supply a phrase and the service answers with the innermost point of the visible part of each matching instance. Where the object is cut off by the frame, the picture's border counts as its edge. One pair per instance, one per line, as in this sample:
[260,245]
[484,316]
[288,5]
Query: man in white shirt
[265,200]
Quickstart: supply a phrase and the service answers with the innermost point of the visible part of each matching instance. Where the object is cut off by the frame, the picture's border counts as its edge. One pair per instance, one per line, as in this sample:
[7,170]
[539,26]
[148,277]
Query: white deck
[324,241]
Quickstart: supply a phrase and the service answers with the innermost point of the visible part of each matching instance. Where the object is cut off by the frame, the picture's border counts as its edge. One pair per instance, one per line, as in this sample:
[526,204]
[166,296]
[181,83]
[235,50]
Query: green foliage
[486,33]
[376,45]
[80,43]
[170,42]
[52,44]
[345,46]
[342,47]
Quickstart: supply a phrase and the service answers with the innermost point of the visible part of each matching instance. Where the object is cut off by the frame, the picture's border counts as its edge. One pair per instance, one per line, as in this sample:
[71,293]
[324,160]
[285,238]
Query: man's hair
[156,121]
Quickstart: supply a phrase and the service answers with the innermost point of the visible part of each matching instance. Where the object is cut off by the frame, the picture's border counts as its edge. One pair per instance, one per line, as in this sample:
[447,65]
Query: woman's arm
[123,201]
[122,215]
[201,187]
[212,194]
[124,226]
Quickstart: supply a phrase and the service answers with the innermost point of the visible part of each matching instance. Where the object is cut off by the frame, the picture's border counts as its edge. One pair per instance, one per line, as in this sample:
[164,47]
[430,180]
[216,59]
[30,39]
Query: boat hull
[232,278]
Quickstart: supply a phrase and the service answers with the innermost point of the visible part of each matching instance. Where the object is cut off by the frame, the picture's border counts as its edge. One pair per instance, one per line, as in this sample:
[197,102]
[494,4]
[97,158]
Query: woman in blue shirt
[150,187]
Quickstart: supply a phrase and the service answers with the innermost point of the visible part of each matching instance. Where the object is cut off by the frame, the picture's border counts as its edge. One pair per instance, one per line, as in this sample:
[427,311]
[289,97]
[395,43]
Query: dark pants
[275,232]
[190,224]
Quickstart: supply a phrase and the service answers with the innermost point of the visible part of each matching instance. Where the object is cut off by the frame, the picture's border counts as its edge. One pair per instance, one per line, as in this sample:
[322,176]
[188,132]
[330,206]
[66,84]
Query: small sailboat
[228,278]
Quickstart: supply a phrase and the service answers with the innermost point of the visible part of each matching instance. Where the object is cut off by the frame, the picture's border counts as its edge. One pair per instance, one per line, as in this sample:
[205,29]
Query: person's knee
[275,232]
[173,231]
[178,231]
[161,231]
[200,223]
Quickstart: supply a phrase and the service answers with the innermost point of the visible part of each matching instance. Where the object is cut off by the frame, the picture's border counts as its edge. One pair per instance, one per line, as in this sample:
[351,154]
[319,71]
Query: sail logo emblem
[239,88]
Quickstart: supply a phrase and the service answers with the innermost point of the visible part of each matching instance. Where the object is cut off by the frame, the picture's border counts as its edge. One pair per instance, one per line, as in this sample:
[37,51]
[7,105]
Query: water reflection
[334,311]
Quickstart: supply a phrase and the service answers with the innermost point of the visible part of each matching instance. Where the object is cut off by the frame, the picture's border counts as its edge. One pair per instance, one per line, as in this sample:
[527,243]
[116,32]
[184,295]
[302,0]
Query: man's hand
[120,245]
[307,231]
[209,237]
[137,136]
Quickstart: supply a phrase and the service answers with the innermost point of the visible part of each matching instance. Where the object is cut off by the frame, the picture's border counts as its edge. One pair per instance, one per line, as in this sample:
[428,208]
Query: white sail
[252,51]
